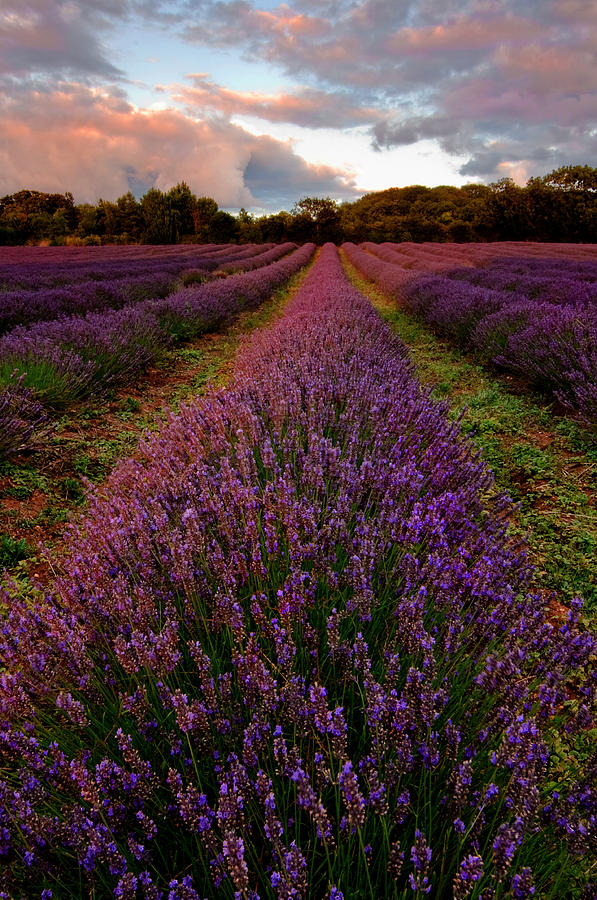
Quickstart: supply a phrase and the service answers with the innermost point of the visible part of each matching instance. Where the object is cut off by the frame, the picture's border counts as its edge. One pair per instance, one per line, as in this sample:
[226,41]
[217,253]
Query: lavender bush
[22,418]
[32,268]
[389,276]
[26,306]
[293,655]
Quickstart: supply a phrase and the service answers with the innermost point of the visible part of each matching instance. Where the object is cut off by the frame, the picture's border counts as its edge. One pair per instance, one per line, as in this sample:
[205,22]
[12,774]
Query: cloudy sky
[257,103]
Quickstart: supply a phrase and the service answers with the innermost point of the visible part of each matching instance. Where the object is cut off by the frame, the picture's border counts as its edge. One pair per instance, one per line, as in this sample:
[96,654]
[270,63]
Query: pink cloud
[464,34]
[50,36]
[549,70]
[91,143]
[579,12]
[289,23]
[487,99]
[306,107]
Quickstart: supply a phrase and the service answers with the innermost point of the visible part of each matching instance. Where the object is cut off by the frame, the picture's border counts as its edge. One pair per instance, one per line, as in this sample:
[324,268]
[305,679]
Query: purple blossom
[470,871]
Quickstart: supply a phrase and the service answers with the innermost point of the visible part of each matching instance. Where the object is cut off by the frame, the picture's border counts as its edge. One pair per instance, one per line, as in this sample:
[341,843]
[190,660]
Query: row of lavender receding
[58,362]
[32,268]
[47,293]
[534,317]
[294,655]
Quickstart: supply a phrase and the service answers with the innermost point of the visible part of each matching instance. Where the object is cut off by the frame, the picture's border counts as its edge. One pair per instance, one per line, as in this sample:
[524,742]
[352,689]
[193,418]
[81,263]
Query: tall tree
[204,209]
[317,219]
[130,217]
[182,204]
[161,220]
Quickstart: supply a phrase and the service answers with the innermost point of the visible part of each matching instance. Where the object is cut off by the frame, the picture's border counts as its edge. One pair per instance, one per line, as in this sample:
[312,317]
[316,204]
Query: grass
[545,461]
[55,389]
[12,551]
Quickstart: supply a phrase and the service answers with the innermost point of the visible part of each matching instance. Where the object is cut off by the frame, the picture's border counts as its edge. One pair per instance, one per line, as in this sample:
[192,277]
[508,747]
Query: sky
[258,104]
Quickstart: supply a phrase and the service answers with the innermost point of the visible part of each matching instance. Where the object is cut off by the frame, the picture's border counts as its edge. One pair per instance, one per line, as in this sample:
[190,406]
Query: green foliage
[222,228]
[316,219]
[559,206]
[71,489]
[53,388]
[12,551]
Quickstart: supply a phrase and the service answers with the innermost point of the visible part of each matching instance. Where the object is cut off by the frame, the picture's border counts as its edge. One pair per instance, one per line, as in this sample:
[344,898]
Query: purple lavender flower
[522,884]
[470,871]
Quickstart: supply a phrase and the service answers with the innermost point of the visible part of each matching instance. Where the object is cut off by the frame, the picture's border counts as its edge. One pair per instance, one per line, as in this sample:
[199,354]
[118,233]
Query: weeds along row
[294,654]
[526,309]
[51,364]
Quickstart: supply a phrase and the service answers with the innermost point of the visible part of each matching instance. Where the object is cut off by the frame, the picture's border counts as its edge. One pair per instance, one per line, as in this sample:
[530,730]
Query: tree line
[560,206]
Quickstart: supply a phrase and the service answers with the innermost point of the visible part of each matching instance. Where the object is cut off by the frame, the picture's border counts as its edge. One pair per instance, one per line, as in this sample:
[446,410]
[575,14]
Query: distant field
[316,611]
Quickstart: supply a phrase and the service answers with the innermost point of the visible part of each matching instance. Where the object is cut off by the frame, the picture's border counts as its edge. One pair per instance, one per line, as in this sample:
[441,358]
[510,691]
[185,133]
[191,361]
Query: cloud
[279,178]
[511,87]
[488,78]
[95,144]
[306,107]
[56,38]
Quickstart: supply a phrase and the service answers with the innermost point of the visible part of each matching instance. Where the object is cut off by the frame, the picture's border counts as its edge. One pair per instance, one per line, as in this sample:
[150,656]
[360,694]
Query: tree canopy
[559,206]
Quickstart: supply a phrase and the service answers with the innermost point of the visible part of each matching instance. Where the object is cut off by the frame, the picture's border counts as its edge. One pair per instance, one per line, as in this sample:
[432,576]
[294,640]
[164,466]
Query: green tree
[572,178]
[511,211]
[89,220]
[204,209]
[129,215]
[161,220]
[249,228]
[275,228]
[223,228]
[182,205]
[564,204]
[28,215]
[316,219]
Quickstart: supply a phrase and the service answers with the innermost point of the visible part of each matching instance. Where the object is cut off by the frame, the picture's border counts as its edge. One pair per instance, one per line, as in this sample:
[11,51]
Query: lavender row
[123,287]
[548,341]
[36,275]
[250,261]
[390,276]
[552,344]
[35,271]
[294,655]
[24,255]
[481,252]
[45,304]
[73,357]
[554,278]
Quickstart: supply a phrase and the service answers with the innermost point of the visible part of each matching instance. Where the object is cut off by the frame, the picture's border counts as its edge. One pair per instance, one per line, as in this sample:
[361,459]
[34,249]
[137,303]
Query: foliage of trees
[560,206]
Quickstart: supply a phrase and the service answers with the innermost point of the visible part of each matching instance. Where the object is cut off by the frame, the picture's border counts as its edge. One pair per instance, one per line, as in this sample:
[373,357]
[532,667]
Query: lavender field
[63,354]
[293,649]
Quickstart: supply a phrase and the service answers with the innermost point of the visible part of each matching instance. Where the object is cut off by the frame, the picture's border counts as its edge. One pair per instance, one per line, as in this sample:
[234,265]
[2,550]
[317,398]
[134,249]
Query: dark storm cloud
[279,178]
